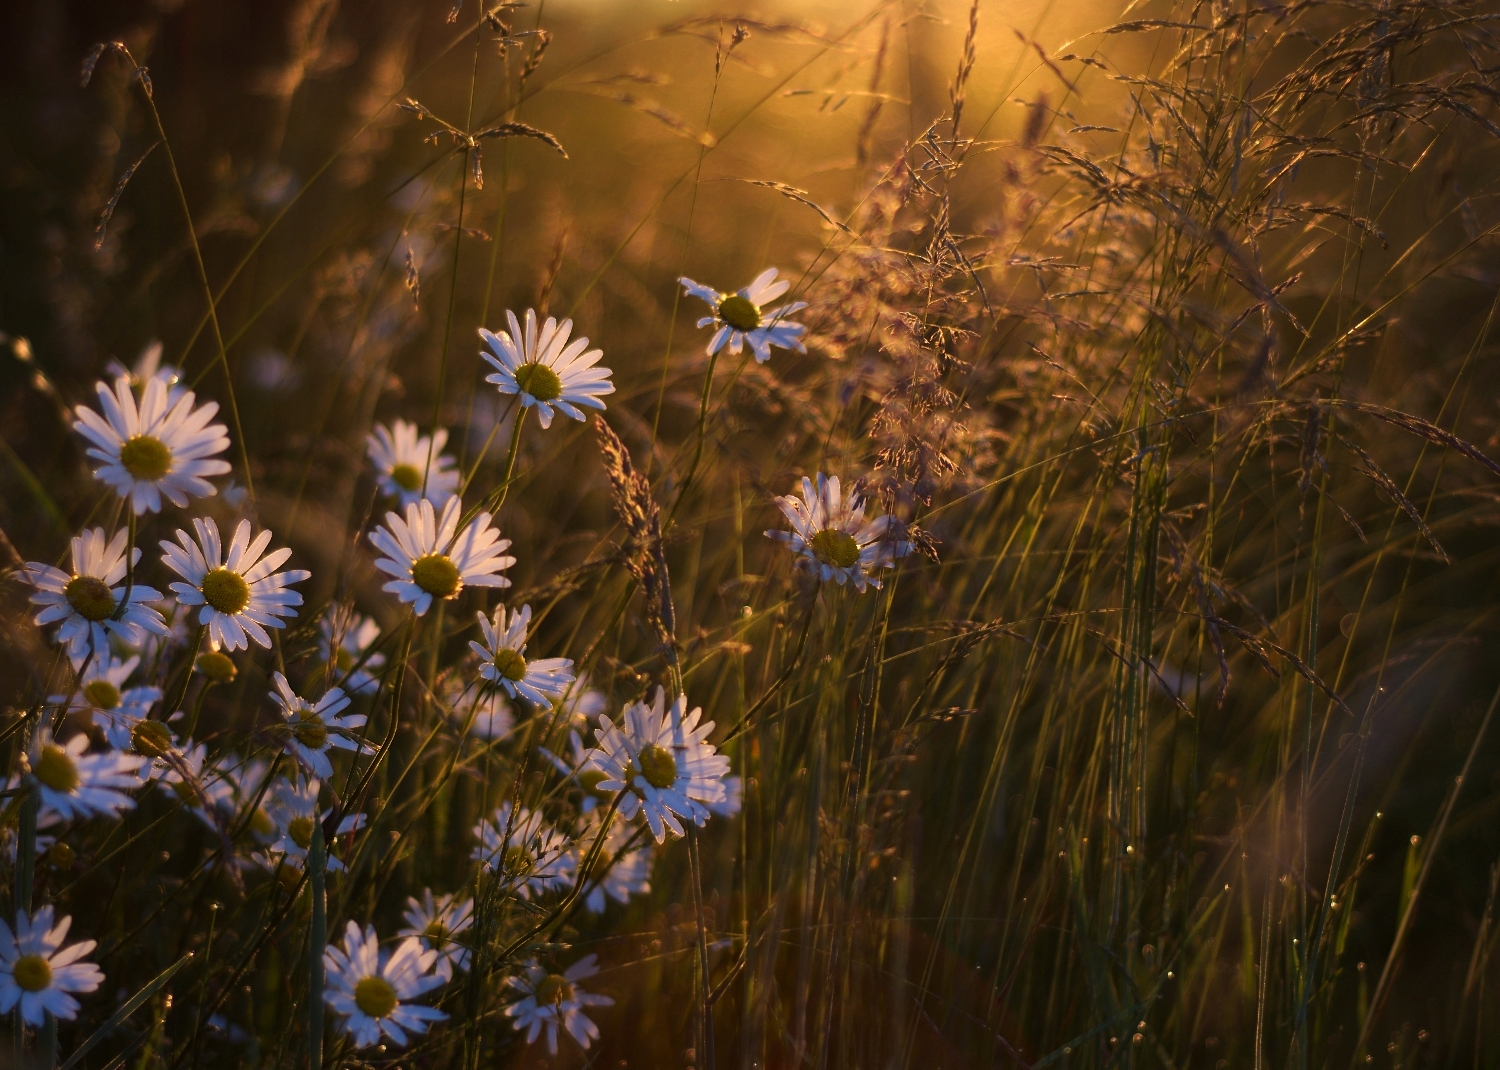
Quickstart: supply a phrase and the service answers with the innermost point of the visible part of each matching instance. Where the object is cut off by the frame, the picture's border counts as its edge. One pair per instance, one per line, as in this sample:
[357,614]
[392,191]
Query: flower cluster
[127,719]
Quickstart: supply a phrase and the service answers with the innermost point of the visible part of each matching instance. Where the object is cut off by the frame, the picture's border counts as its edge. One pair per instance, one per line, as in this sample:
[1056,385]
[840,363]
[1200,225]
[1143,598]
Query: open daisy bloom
[315,728]
[87,599]
[436,922]
[161,448]
[549,1000]
[502,660]
[430,558]
[109,703]
[410,466]
[73,784]
[544,369]
[372,988]
[529,854]
[659,757]
[241,594]
[287,823]
[40,974]
[743,317]
[832,537]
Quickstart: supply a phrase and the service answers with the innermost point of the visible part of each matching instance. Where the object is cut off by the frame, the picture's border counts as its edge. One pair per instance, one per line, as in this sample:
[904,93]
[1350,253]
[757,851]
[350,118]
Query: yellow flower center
[56,769]
[554,989]
[300,829]
[102,694]
[509,664]
[739,312]
[146,458]
[589,780]
[33,973]
[217,667]
[437,575]
[262,825]
[658,766]
[61,855]
[310,730]
[151,738]
[375,997]
[436,933]
[184,791]
[540,381]
[517,861]
[226,591]
[407,477]
[90,598]
[835,547]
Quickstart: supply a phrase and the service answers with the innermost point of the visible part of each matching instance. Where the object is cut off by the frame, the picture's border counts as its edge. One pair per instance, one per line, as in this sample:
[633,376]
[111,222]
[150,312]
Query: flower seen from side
[661,759]
[544,369]
[344,636]
[76,785]
[742,317]
[315,728]
[38,972]
[374,989]
[159,448]
[582,703]
[241,594]
[553,1001]
[503,662]
[87,599]
[625,862]
[438,922]
[530,855]
[430,558]
[410,466]
[476,709]
[831,536]
[148,366]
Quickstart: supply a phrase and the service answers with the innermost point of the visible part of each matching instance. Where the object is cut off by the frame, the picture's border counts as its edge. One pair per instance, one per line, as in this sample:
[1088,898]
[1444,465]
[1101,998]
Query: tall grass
[1164,332]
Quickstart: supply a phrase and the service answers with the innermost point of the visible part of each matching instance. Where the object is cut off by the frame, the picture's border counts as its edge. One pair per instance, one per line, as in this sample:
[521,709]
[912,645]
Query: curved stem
[743,723]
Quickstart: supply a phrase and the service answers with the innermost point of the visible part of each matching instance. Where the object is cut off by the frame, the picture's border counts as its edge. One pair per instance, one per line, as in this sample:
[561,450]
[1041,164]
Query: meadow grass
[1161,335]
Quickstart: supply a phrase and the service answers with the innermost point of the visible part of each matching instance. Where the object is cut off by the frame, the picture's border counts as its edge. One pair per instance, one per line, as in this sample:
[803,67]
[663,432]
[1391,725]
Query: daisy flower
[528,852]
[502,660]
[549,1000]
[245,781]
[73,784]
[742,316]
[242,595]
[40,974]
[734,789]
[401,457]
[661,760]
[87,598]
[293,814]
[314,729]
[544,369]
[430,558]
[476,710]
[161,448]
[436,922]
[629,871]
[832,537]
[109,703]
[343,638]
[373,988]
[186,776]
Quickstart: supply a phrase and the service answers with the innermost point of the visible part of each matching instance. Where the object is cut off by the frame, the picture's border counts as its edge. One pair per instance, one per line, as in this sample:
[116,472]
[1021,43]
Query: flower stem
[497,498]
[317,863]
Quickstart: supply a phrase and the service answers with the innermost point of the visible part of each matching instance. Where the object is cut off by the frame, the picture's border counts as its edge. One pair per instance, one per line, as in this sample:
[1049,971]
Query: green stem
[317,862]
[497,498]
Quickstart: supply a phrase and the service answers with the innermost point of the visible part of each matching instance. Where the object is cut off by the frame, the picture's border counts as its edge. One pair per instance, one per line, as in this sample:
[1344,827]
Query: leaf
[129,1007]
